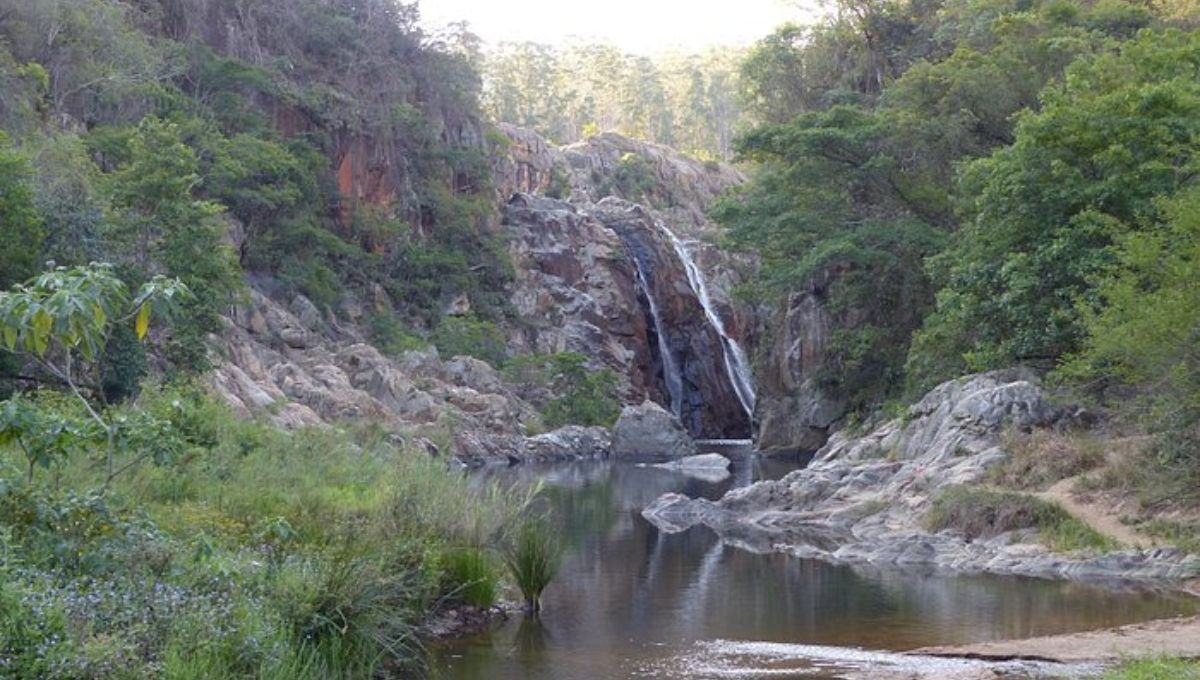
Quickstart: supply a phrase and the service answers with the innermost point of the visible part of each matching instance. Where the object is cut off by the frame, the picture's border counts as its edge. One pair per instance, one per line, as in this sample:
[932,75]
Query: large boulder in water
[648,433]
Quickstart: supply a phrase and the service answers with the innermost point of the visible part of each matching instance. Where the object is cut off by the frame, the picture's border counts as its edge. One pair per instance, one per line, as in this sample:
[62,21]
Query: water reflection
[628,597]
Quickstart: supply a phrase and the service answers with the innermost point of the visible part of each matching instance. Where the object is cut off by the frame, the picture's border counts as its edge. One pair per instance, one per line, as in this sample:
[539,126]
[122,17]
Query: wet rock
[707,467]
[648,433]
[569,443]
[709,404]
[862,499]
[572,442]
[699,461]
[577,287]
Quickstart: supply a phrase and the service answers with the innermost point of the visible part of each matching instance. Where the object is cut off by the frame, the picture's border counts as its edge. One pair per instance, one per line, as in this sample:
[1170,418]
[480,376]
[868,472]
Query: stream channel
[630,601]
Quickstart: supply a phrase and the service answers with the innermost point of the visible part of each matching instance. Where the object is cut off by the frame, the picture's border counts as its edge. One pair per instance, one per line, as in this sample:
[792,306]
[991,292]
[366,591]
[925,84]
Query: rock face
[575,290]
[578,289]
[578,284]
[862,499]
[648,433]
[793,413]
[300,370]
[708,404]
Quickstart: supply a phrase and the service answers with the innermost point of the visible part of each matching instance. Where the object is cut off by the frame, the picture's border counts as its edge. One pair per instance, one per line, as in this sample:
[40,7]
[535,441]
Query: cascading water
[736,364]
[671,375]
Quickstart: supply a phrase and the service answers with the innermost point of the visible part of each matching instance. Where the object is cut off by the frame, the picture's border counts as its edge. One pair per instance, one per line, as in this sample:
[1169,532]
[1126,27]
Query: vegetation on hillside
[690,102]
[235,550]
[975,184]
[154,156]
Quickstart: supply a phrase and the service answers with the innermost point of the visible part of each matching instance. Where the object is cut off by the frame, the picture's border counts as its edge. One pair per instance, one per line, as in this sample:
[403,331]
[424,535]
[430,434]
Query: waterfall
[737,366]
[671,374]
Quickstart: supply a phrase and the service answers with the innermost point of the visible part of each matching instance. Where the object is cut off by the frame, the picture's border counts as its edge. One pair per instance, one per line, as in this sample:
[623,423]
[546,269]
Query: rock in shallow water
[862,500]
[707,467]
[572,442]
[647,433]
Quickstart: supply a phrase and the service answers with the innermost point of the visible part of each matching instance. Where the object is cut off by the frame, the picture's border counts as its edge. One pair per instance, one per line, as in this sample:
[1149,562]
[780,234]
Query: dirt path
[1099,515]
[1172,637]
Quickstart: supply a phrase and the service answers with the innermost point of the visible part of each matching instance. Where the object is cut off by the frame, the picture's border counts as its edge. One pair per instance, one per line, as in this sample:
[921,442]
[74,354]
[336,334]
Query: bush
[254,553]
[565,390]
[352,613]
[473,337]
[391,336]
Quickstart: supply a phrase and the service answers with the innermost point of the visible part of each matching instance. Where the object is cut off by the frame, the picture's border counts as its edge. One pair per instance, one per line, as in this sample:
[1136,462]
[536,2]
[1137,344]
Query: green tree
[1043,212]
[1146,333]
[832,211]
[160,227]
[62,321]
[21,231]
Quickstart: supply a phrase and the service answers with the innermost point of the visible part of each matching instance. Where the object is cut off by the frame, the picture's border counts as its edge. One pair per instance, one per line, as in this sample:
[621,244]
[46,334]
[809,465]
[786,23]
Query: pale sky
[642,26]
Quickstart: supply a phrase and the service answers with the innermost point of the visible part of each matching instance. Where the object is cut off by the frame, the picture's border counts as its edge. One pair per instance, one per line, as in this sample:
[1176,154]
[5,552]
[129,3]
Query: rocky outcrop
[575,291]
[572,442]
[793,413]
[295,368]
[707,467]
[681,187]
[708,403]
[862,499]
[578,289]
[648,433]
[577,258]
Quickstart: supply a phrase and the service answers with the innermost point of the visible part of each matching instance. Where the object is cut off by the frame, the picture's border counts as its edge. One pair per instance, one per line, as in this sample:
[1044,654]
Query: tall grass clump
[470,577]
[533,559]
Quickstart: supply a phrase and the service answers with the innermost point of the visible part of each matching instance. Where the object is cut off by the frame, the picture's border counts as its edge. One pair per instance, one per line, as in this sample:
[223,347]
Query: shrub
[353,614]
[29,636]
[578,395]
[633,178]
[471,337]
[256,554]
[390,335]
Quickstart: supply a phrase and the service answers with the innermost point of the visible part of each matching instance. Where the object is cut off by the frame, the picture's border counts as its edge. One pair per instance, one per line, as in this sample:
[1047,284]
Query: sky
[640,26]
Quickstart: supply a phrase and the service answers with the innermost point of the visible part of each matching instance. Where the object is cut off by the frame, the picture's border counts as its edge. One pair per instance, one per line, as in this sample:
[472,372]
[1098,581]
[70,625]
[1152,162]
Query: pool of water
[630,601]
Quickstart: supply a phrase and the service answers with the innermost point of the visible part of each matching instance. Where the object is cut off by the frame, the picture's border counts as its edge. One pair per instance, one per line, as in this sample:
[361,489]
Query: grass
[473,576]
[254,553]
[1044,456]
[984,513]
[1183,535]
[1163,668]
[533,559]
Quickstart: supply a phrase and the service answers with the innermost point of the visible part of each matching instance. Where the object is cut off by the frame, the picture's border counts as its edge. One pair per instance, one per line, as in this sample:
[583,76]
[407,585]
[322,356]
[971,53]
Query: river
[632,602]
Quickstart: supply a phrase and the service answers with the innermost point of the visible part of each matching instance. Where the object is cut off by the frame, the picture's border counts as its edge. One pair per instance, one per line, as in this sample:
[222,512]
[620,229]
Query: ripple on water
[744,659]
